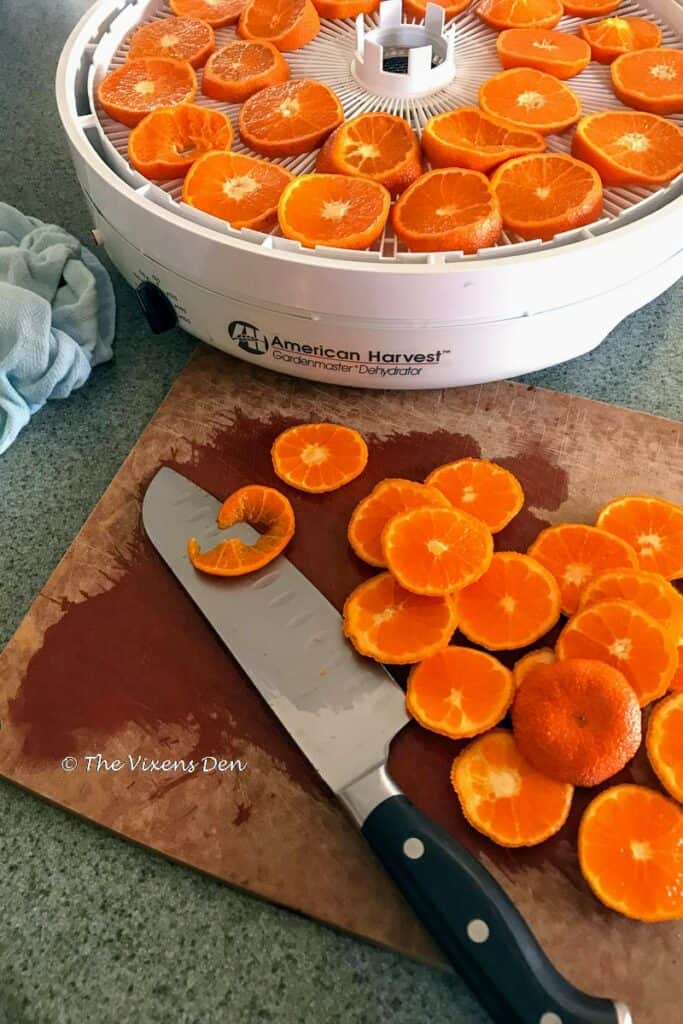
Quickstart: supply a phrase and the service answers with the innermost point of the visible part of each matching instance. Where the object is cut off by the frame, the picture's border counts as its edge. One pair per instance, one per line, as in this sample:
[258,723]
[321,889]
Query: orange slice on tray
[139,86]
[335,210]
[653,526]
[288,24]
[631,852]
[378,146]
[528,662]
[648,590]
[484,489]
[466,137]
[650,80]
[541,196]
[611,37]
[503,797]
[450,209]
[318,457]
[417,8]
[629,148]
[436,550]
[590,8]
[627,638]
[266,510]
[664,744]
[555,53]
[214,12]
[388,623]
[290,118]
[241,68]
[339,9]
[181,38]
[240,189]
[530,99]
[575,553]
[459,692]
[168,141]
[520,13]
[388,499]
[514,603]
[577,721]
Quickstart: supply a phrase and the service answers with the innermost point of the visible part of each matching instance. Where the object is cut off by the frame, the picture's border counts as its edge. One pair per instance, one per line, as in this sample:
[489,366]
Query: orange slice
[241,68]
[388,499]
[287,24]
[502,796]
[130,92]
[416,8]
[166,143]
[514,603]
[530,99]
[648,590]
[263,508]
[575,553]
[339,9]
[613,36]
[181,38]
[577,721]
[664,744]
[520,13]
[631,852]
[319,457]
[627,148]
[590,8]
[214,12]
[650,80]
[482,488]
[459,692]
[467,137]
[627,638]
[436,550]
[555,53]
[450,209]
[290,118]
[653,526]
[240,189]
[388,623]
[677,682]
[333,209]
[528,662]
[378,146]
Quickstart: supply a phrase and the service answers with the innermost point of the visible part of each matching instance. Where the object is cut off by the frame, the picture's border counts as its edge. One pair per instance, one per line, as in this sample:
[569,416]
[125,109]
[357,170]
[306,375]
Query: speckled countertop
[91,928]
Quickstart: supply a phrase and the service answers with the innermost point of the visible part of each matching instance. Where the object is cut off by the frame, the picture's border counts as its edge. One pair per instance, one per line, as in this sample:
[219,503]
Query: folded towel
[57,313]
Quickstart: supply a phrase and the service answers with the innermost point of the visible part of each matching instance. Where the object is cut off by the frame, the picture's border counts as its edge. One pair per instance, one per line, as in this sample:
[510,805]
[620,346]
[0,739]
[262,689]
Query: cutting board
[114,660]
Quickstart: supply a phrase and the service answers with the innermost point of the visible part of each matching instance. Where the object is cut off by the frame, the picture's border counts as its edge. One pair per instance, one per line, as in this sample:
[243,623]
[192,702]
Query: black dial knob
[157,307]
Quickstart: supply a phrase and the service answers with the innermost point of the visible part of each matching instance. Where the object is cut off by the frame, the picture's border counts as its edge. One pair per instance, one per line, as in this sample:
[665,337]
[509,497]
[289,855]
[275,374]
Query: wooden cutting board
[114,659]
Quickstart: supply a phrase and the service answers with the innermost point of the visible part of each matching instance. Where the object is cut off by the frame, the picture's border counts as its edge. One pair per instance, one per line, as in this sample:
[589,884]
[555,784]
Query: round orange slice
[240,189]
[648,590]
[590,8]
[216,13]
[650,80]
[653,526]
[514,603]
[319,457]
[389,624]
[449,209]
[335,210]
[627,638]
[520,13]
[613,36]
[139,86]
[503,797]
[339,9]
[555,53]
[466,137]
[263,508]
[434,551]
[484,489]
[528,98]
[629,148]
[388,499]
[416,8]
[166,143]
[290,118]
[287,24]
[241,68]
[664,744]
[181,38]
[459,692]
[378,146]
[575,553]
[528,662]
[631,852]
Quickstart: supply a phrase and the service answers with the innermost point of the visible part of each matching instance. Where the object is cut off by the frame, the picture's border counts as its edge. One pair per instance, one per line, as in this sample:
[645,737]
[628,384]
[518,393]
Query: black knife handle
[476,925]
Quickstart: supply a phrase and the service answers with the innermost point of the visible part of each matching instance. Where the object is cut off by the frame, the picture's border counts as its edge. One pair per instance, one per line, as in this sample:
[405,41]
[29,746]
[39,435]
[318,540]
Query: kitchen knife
[343,711]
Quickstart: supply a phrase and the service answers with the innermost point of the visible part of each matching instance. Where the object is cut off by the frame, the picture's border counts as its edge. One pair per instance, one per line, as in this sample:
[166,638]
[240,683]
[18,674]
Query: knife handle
[476,925]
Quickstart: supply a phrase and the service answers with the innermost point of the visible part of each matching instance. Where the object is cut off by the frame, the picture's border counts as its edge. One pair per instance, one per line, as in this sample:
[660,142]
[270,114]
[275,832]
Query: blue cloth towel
[57,313]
